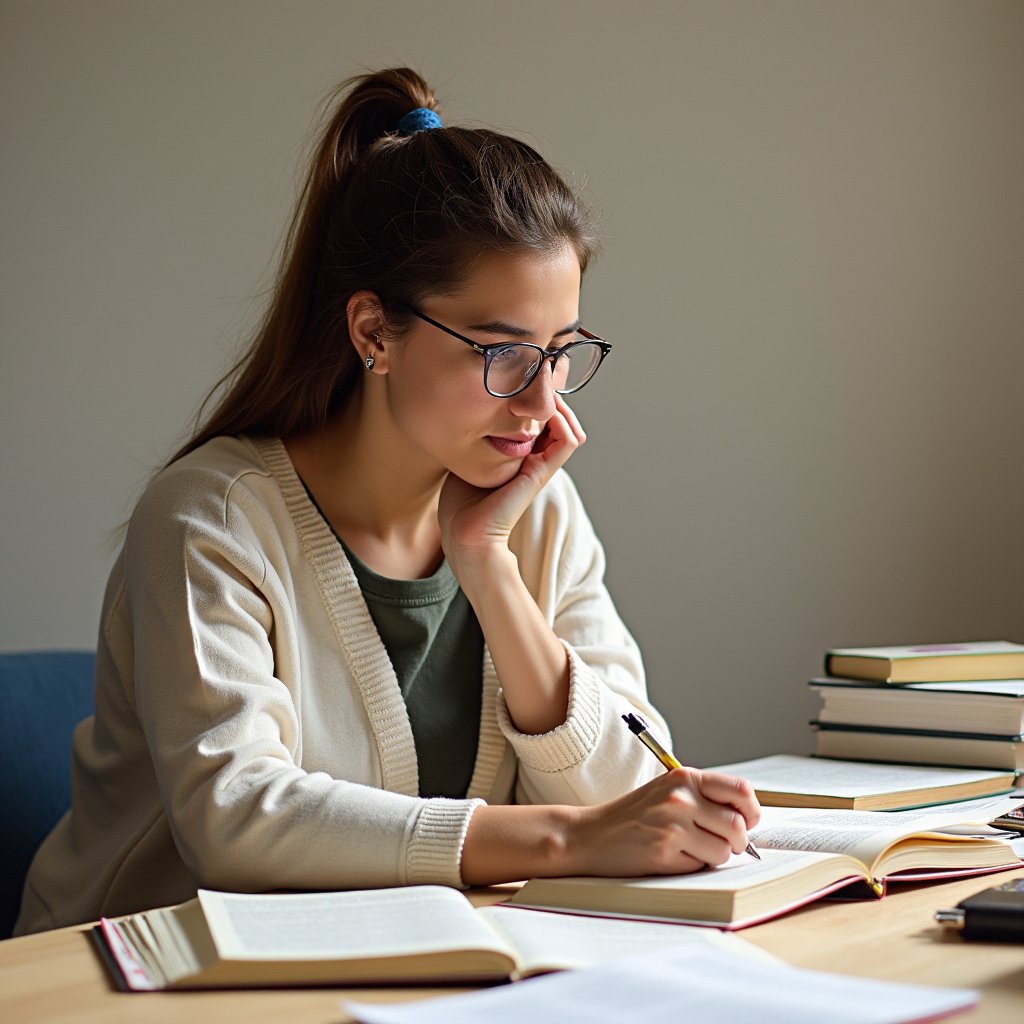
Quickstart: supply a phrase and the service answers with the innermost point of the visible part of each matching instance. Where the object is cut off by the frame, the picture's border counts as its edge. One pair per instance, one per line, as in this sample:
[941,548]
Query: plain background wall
[810,431]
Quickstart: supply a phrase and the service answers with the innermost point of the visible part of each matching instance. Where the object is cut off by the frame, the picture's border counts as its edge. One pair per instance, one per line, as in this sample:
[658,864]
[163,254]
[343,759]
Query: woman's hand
[475,526]
[476,521]
[679,822]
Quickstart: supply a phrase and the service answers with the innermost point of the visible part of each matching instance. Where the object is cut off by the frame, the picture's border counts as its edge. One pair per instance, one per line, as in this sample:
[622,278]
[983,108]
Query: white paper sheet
[696,985]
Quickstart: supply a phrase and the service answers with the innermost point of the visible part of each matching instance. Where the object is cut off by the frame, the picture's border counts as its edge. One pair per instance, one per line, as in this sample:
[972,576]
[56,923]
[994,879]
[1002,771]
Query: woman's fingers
[561,436]
[570,417]
[680,821]
[719,828]
[732,791]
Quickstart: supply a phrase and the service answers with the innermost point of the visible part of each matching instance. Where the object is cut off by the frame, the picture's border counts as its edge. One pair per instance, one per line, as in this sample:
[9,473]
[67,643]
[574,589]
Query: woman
[358,633]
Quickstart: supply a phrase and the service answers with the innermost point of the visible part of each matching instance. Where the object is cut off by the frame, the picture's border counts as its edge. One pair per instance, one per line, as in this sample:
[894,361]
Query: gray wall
[809,433]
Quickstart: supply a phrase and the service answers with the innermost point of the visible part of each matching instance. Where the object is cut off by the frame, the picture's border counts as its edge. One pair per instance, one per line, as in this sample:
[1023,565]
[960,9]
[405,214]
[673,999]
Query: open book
[805,854]
[788,780]
[374,936]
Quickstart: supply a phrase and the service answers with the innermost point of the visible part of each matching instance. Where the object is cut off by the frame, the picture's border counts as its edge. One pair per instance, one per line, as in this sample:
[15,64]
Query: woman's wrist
[512,843]
[484,570]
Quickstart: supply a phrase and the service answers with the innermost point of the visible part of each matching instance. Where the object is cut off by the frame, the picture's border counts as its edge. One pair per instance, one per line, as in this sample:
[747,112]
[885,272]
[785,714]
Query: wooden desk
[57,977]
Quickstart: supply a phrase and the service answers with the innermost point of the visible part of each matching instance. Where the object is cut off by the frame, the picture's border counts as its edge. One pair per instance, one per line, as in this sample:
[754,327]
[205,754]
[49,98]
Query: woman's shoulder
[204,483]
[222,457]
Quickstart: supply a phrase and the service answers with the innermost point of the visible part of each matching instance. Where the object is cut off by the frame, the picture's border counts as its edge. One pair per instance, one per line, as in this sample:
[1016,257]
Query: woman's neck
[377,499]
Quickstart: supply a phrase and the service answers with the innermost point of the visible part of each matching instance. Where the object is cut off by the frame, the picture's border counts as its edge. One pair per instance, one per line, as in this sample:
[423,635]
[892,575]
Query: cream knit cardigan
[250,733]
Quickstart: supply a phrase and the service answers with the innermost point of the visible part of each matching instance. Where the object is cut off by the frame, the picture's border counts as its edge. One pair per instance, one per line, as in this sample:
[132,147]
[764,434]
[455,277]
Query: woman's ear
[365,331]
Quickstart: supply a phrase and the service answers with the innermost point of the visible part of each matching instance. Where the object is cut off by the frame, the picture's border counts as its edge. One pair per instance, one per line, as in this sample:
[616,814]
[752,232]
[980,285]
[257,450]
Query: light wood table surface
[58,977]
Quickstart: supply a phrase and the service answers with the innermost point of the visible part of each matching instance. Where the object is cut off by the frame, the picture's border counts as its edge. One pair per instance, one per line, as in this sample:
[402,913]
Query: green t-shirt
[436,646]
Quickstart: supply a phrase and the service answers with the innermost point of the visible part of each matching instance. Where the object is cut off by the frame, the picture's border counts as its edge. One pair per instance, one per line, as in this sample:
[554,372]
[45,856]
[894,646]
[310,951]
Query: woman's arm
[568,672]
[678,822]
[531,662]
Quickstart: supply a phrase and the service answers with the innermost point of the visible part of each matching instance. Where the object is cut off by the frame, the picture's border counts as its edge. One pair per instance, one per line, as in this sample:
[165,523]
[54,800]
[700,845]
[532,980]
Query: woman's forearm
[529,659]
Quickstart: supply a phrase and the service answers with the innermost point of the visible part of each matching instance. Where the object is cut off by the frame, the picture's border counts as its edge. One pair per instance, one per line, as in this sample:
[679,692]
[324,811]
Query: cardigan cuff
[435,850]
[570,743]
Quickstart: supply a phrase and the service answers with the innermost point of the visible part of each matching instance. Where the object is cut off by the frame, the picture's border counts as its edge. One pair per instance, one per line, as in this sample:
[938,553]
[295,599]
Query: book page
[740,871]
[341,925]
[963,817]
[694,984]
[976,813]
[817,776]
[861,834]
[546,941]
[861,843]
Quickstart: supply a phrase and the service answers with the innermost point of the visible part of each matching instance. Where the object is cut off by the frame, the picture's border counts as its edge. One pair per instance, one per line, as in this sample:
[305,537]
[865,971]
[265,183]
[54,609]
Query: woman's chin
[493,477]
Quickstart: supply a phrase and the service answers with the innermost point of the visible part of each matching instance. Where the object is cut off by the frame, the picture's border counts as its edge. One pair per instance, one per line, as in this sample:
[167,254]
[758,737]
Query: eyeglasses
[509,367]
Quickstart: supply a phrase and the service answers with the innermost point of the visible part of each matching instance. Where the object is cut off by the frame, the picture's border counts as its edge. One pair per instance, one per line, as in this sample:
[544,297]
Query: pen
[638,727]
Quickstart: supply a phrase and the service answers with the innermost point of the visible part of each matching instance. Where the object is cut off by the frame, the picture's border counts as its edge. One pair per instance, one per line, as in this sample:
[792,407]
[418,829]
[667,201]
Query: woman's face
[435,383]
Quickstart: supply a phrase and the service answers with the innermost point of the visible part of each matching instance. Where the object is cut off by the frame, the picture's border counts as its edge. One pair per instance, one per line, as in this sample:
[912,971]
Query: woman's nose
[537,400]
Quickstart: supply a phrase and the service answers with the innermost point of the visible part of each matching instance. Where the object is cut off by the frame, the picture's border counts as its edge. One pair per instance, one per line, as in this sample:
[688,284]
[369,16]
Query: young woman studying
[358,633]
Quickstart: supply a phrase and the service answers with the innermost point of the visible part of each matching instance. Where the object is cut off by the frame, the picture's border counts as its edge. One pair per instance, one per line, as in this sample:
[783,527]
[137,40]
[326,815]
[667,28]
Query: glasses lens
[510,369]
[577,366]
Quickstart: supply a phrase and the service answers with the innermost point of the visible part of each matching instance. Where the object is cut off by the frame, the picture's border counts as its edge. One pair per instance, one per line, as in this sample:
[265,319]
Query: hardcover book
[920,746]
[988,659]
[994,706]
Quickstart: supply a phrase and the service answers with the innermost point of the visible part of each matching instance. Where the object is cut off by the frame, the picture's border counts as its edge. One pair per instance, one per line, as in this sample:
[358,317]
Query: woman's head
[402,215]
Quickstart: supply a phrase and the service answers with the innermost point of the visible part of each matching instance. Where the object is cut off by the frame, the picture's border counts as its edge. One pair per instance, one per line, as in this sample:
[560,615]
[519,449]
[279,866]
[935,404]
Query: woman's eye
[505,355]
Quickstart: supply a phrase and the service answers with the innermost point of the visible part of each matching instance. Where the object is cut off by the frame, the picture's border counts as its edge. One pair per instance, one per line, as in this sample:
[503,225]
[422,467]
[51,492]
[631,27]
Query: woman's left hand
[476,521]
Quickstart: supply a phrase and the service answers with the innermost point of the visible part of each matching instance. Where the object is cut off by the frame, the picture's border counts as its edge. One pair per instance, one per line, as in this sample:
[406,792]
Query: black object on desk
[1011,821]
[993,914]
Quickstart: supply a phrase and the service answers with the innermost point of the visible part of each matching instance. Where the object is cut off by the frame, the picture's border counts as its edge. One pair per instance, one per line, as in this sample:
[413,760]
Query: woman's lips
[513,447]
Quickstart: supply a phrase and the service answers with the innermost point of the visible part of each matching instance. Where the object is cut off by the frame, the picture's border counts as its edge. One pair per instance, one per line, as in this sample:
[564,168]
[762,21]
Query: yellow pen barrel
[659,751]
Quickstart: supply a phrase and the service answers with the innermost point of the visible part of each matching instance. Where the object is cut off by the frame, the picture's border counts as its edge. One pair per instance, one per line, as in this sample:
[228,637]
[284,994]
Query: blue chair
[43,696]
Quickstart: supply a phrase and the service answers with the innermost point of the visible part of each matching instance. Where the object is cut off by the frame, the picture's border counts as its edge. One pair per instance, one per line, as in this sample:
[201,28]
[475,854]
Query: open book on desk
[415,933]
[805,854]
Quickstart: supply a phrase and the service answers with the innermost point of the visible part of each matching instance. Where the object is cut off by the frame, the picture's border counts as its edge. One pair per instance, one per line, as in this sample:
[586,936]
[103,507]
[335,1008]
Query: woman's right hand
[676,823]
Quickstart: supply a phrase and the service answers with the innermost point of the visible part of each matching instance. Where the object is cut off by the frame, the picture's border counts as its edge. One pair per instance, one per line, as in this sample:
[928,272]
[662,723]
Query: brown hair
[403,216]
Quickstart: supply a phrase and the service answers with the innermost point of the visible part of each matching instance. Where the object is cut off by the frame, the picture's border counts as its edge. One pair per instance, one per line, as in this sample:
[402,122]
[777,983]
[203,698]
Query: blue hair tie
[419,120]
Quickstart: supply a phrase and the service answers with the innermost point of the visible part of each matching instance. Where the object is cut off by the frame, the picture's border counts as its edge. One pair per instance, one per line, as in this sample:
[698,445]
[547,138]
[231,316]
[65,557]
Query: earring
[369,362]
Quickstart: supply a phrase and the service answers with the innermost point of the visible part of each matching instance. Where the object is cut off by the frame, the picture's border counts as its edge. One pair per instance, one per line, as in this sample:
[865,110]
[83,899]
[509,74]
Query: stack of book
[944,704]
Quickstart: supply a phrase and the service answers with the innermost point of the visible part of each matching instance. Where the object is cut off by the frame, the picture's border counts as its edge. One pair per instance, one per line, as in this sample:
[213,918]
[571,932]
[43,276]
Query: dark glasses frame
[545,355]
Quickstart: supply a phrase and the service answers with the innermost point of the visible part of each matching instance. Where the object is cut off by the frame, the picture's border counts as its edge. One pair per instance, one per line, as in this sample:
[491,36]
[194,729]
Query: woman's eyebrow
[511,331]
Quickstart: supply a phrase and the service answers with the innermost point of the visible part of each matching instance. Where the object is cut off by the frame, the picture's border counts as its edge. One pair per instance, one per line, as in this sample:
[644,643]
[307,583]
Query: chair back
[43,696]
